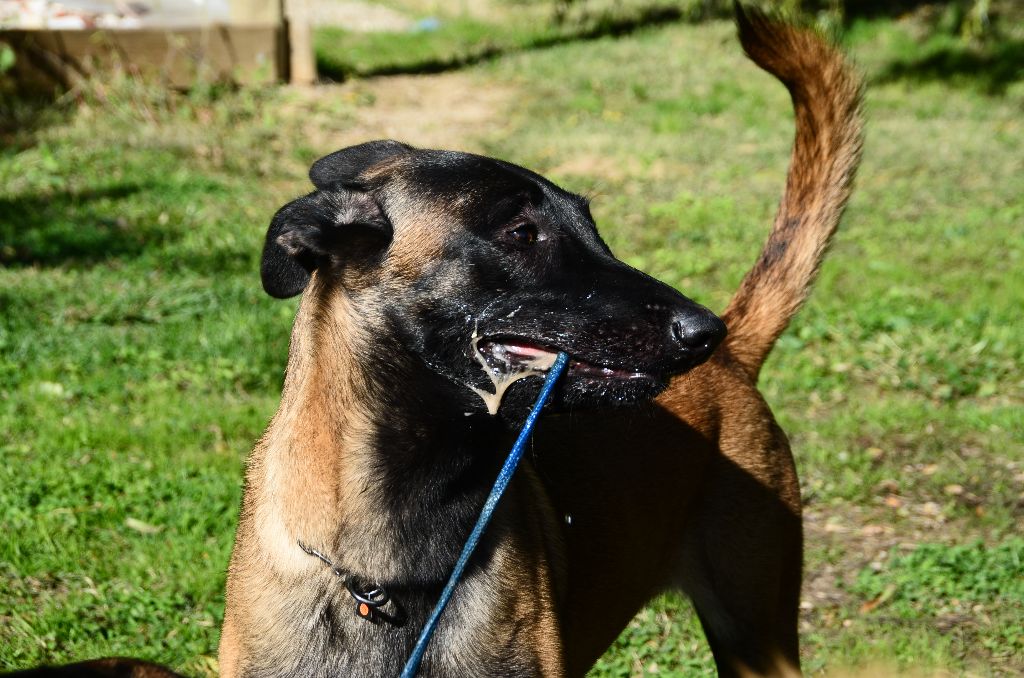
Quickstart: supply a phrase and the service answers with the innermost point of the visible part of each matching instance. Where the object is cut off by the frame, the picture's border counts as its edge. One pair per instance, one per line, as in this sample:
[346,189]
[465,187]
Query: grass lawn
[453,34]
[140,359]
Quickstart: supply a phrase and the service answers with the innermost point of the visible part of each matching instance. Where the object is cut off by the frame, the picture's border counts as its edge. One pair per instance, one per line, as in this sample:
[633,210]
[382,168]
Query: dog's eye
[524,234]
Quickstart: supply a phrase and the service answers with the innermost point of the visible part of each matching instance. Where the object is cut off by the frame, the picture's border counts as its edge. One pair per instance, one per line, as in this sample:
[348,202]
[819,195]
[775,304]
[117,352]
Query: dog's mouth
[515,354]
[506,359]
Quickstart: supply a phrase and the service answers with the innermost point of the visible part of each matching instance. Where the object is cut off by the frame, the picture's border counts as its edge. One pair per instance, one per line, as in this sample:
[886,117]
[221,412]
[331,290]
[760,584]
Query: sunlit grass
[139,358]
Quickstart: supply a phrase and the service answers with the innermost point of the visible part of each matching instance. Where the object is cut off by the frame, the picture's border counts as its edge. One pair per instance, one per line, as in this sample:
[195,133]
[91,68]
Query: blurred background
[144,146]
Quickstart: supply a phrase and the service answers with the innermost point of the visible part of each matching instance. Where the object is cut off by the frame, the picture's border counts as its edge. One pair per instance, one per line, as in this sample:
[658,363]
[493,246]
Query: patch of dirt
[484,10]
[450,110]
[857,537]
[360,17]
[616,169]
[590,165]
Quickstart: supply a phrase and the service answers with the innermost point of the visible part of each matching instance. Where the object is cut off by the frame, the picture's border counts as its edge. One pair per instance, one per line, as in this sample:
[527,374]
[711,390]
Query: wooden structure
[255,42]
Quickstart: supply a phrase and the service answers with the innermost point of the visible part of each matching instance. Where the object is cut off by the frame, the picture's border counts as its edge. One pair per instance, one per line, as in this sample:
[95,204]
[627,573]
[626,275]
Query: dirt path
[450,110]
[358,16]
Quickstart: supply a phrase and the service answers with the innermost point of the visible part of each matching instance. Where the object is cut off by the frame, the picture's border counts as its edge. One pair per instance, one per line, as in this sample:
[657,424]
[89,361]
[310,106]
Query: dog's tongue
[517,351]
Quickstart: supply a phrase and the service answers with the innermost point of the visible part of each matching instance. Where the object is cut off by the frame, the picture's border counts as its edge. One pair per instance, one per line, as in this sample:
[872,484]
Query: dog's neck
[360,422]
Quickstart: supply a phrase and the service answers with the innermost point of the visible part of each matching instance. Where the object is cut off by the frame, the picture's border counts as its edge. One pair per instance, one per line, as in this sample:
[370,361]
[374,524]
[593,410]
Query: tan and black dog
[433,280]
[437,287]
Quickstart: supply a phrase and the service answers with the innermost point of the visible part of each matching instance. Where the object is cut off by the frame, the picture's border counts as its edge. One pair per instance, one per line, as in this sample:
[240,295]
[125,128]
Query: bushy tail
[826,152]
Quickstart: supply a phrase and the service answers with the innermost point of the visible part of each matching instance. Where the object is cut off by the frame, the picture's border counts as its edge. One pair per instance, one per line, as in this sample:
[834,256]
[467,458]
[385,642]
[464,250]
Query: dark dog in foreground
[434,284]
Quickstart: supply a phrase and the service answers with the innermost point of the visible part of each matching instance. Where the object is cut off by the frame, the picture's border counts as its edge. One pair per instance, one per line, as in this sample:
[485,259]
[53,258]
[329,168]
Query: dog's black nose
[698,332]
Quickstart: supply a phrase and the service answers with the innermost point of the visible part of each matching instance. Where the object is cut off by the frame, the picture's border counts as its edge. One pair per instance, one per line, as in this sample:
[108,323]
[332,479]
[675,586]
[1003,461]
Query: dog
[437,288]
[434,285]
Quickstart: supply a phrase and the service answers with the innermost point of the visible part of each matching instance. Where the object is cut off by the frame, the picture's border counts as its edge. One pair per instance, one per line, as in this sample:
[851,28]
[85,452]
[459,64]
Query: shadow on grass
[22,117]
[486,51]
[67,227]
[892,8]
[991,68]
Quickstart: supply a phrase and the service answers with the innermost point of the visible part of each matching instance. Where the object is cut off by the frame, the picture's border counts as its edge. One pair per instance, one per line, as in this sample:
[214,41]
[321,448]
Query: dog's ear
[309,231]
[344,166]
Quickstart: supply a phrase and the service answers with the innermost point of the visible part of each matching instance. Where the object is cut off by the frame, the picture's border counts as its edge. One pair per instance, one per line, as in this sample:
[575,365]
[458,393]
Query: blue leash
[413,664]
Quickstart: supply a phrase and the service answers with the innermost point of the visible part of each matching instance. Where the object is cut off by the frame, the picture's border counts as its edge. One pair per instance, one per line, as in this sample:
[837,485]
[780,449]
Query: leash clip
[369,599]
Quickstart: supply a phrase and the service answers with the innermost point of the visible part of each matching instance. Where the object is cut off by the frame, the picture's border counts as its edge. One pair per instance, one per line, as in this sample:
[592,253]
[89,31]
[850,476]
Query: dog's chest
[325,638]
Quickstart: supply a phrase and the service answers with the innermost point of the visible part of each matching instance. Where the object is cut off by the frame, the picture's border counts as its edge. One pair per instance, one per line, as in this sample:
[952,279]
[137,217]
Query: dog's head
[481,271]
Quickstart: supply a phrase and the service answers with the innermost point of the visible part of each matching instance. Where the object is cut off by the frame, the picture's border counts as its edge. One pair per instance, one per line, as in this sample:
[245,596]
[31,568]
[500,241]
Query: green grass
[139,358]
[963,587]
[459,37]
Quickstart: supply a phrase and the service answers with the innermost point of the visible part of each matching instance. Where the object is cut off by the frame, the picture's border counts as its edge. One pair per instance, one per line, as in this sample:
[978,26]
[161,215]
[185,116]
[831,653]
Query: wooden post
[302,63]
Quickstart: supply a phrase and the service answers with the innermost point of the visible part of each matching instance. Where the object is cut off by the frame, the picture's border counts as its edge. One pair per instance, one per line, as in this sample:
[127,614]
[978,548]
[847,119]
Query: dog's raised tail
[826,97]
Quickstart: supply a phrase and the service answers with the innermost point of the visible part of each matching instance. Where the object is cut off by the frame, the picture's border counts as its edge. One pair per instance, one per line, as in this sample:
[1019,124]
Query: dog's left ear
[306,231]
[344,167]
[309,231]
